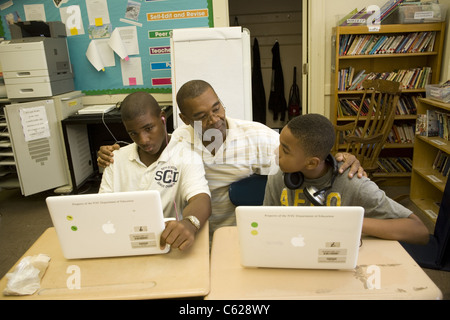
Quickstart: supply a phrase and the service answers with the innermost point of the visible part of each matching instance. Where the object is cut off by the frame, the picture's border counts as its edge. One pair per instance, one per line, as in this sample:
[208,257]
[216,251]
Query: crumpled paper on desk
[26,277]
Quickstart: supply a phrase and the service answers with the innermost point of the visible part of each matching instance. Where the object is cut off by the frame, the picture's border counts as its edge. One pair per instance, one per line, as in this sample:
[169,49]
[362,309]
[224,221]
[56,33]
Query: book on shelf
[434,124]
[361,17]
[421,124]
[394,164]
[443,124]
[347,16]
[407,104]
[348,106]
[400,134]
[358,18]
[441,163]
[388,8]
[403,133]
[414,78]
[446,134]
[369,44]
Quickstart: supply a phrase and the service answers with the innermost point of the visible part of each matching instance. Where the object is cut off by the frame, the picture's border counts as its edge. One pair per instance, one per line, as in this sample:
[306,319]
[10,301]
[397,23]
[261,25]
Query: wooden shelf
[433,177]
[437,142]
[392,175]
[399,117]
[436,103]
[428,184]
[403,91]
[389,55]
[386,63]
[429,207]
[392,28]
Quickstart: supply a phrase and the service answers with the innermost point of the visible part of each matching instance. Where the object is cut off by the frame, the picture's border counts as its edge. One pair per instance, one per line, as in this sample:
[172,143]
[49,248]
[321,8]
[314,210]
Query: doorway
[270,22]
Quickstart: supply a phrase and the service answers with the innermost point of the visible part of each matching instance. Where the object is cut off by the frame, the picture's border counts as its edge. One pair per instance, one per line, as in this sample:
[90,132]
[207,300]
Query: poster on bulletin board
[115,46]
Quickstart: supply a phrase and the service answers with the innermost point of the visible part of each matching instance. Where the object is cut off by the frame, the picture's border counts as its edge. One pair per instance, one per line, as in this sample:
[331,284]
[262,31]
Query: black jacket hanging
[258,94]
[277,101]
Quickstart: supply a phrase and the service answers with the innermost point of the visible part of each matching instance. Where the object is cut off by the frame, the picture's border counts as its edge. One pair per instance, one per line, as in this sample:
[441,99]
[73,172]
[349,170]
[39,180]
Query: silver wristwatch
[195,222]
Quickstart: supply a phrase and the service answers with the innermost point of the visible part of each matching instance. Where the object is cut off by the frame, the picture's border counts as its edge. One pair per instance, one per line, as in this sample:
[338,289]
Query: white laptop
[299,237]
[108,224]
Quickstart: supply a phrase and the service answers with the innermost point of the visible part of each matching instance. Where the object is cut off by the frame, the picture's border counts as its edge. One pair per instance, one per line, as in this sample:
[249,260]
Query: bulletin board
[115,46]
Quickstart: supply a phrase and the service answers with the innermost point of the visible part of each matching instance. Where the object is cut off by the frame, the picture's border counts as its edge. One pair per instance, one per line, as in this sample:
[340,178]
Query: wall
[269,22]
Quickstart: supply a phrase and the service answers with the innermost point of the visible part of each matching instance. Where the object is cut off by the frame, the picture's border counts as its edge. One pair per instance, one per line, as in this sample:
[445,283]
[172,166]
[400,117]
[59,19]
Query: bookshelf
[409,53]
[428,177]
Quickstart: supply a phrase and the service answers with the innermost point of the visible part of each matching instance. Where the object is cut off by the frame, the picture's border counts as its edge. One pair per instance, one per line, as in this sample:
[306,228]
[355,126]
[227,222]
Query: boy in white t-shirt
[154,161]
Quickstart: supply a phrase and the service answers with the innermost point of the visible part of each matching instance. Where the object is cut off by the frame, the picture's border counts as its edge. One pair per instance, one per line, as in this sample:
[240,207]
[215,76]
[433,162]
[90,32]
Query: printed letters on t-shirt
[167,177]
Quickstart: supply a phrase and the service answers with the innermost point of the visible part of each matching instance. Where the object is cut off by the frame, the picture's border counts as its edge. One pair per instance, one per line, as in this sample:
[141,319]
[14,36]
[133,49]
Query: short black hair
[137,104]
[190,90]
[315,133]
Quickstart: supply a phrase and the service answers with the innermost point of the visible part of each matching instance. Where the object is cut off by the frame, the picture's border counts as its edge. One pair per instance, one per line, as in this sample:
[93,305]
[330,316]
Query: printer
[36,60]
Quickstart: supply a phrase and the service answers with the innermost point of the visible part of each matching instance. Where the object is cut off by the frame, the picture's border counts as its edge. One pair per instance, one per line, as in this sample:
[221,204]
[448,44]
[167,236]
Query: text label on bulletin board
[115,46]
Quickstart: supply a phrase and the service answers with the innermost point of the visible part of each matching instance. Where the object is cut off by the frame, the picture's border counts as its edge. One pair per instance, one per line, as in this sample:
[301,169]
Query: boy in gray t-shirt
[308,176]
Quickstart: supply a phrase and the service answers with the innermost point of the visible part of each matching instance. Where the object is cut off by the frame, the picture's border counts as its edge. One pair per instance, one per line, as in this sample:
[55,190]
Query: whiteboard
[220,56]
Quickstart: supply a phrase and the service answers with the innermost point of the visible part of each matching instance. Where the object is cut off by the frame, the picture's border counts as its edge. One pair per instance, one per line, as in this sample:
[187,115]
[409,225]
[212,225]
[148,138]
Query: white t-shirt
[249,148]
[178,175]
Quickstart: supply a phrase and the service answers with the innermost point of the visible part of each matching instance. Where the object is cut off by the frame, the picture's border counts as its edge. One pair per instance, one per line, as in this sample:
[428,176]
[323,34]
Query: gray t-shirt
[344,192]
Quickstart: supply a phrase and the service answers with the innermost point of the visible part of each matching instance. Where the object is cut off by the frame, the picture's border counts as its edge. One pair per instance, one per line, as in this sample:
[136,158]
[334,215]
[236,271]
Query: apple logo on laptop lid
[298,241]
[108,227]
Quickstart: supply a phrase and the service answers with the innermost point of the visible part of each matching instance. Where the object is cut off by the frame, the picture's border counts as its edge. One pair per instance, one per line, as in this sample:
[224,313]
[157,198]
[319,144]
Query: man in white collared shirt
[248,149]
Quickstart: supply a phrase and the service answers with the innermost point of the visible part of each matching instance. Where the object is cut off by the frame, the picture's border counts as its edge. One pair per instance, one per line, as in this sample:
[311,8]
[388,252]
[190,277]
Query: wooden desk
[172,275]
[400,277]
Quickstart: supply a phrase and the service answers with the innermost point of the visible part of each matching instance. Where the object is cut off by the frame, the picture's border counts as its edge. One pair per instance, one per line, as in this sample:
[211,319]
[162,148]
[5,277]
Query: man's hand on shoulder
[352,162]
[106,155]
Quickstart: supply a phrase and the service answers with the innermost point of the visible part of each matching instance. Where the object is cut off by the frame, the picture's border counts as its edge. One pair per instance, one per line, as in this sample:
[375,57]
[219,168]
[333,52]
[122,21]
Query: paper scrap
[132,71]
[116,43]
[130,39]
[34,123]
[97,12]
[34,12]
[100,54]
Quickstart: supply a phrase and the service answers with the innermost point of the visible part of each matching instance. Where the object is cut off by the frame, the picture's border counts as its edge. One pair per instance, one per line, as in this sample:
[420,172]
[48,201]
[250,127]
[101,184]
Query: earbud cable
[106,126]
[168,152]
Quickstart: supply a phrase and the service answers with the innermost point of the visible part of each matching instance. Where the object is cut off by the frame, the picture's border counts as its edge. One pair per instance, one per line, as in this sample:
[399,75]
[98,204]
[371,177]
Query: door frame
[313,56]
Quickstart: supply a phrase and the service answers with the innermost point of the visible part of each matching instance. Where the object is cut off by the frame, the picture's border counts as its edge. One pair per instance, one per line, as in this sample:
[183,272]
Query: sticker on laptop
[332,253]
[141,238]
